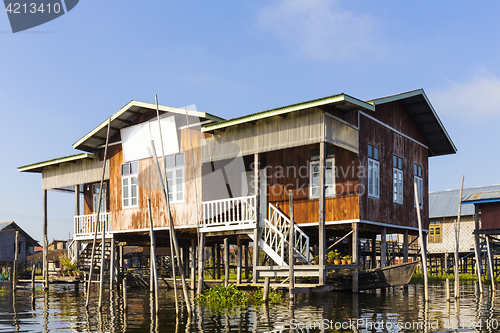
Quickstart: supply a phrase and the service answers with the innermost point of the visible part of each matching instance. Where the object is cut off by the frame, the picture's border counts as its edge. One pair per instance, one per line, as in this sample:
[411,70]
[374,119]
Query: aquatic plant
[227,297]
[3,291]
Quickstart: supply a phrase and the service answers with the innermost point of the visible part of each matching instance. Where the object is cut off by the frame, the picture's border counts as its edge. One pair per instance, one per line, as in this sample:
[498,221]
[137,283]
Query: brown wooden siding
[490,215]
[281,177]
[390,143]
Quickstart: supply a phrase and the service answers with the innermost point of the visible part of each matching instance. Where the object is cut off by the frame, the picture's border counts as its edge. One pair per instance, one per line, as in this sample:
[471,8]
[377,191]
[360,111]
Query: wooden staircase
[85,255]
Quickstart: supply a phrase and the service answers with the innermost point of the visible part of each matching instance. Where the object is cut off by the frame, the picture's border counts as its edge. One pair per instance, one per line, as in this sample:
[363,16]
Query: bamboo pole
[33,277]
[45,243]
[226,262]
[112,263]
[124,291]
[423,250]
[15,266]
[477,252]
[447,289]
[172,256]
[291,243]
[89,284]
[152,258]
[457,240]
[490,263]
[164,189]
[238,260]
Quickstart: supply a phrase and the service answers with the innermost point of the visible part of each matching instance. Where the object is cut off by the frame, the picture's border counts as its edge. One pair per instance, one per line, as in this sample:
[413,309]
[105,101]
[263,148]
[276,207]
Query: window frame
[327,185]
[104,204]
[373,159]
[434,236]
[397,180]
[129,177]
[173,169]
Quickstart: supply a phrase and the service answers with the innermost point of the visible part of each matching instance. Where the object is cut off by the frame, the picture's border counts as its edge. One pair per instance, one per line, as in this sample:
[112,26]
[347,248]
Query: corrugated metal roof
[341,101]
[445,203]
[485,196]
[124,118]
[37,167]
[425,117]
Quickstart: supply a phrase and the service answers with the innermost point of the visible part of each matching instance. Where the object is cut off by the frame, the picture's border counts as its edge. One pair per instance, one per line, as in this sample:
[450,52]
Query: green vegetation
[3,291]
[219,298]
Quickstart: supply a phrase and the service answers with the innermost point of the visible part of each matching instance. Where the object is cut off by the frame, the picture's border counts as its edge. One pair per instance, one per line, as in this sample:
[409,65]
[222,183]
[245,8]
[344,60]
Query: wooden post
[33,276]
[193,264]
[226,262]
[476,248]
[265,297]
[218,260]
[238,261]
[256,234]
[423,249]
[77,200]
[152,258]
[447,289]
[173,237]
[490,263]
[112,261]
[124,290]
[96,226]
[15,266]
[374,253]
[321,226]
[355,256]
[291,244]
[201,262]
[45,243]
[405,246]
[383,247]
[101,273]
[457,240]
[214,262]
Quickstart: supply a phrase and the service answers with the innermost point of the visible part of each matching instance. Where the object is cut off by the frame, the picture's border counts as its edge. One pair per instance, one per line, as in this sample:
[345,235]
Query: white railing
[85,225]
[229,214]
[275,239]
[281,223]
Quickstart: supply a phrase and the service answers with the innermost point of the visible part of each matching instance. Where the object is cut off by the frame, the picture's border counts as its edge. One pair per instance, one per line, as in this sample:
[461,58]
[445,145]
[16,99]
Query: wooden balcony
[85,225]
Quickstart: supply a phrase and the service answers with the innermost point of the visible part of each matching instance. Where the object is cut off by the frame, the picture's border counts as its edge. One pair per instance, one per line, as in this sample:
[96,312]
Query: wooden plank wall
[72,173]
[295,176]
[490,215]
[390,143]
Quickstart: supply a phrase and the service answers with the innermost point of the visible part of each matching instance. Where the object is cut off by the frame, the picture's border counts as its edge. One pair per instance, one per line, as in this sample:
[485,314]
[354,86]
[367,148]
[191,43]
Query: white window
[417,177]
[397,168]
[175,177]
[129,184]
[373,172]
[95,197]
[329,178]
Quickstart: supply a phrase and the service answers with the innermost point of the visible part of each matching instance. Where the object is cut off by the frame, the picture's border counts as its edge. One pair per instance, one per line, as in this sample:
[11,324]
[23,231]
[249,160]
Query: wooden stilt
[423,248]
[247,267]
[355,256]
[96,227]
[124,291]
[33,277]
[173,237]
[383,247]
[214,262]
[112,263]
[447,289]
[45,243]
[291,243]
[226,262]
[101,273]
[193,264]
[457,240]
[490,263]
[321,225]
[201,262]
[374,253]
[218,260]
[477,253]
[152,258]
[265,297]
[256,234]
[238,260]
[405,246]
[15,265]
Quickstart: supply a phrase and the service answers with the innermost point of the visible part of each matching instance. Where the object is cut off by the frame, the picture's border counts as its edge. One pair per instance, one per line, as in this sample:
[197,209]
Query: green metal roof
[335,99]
[37,167]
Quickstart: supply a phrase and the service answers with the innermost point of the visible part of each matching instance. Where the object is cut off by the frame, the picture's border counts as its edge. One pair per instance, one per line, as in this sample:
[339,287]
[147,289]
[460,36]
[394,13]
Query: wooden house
[350,166]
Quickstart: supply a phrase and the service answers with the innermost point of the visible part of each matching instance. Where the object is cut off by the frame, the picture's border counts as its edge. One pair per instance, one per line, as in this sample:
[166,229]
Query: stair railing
[274,238]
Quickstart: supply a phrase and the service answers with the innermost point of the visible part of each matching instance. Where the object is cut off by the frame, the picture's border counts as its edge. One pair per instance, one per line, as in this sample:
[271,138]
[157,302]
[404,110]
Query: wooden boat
[382,277]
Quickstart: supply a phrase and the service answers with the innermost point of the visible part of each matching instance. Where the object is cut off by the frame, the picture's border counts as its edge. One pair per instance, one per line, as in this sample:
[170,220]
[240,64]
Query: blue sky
[61,79]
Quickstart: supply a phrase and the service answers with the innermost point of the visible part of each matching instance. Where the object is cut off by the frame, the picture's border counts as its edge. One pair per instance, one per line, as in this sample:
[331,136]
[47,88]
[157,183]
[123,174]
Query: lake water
[397,310]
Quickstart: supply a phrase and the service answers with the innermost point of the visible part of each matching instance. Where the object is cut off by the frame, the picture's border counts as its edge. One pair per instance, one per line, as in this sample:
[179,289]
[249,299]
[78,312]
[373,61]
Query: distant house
[8,240]
[443,212]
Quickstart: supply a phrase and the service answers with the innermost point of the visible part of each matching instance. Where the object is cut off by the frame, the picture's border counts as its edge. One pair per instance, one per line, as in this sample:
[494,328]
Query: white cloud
[477,98]
[321,29]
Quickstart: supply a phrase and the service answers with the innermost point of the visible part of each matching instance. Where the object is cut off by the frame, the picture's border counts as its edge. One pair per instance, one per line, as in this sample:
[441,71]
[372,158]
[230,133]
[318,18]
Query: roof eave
[288,109]
[37,167]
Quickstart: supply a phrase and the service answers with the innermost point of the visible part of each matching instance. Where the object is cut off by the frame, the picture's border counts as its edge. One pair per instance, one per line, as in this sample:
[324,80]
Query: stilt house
[349,164]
